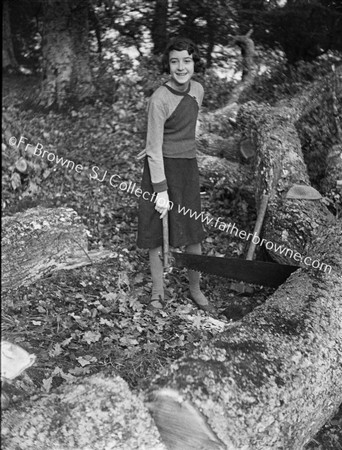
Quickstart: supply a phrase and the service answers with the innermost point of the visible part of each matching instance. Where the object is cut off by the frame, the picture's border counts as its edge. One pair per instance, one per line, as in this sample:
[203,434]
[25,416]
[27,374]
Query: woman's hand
[162,203]
[142,154]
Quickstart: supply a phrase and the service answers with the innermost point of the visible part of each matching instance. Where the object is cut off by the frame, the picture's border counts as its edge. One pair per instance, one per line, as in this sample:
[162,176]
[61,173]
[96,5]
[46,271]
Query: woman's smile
[181,68]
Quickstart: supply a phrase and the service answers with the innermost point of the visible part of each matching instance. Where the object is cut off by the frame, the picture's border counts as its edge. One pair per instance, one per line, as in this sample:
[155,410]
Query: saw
[253,272]
[247,270]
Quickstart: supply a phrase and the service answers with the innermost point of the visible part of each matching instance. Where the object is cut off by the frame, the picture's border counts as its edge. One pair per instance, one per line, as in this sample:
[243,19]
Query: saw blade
[253,272]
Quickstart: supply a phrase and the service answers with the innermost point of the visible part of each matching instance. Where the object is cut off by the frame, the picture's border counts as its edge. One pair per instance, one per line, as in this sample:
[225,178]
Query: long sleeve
[171,128]
[154,143]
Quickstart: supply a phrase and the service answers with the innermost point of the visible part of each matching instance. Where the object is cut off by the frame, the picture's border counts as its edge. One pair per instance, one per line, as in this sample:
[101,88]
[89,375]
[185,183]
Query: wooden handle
[258,225]
[166,240]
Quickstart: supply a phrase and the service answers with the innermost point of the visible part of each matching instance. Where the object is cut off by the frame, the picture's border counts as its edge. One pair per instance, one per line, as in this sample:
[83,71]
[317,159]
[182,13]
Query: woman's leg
[194,277]
[156,266]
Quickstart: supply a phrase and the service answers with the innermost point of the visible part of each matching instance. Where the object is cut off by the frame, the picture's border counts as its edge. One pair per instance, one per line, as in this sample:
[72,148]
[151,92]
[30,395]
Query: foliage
[278,81]
[130,19]
[207,22]
[217,90]
[302,29]
[27,30]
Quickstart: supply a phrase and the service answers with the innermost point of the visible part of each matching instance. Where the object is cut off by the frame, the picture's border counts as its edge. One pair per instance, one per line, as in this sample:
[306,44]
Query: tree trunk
[8,58]
[214,145]
[39,241]
[66,52]
[159,27]
[333,171]
[289,223]
[239,176]
[211,40]
[271,381]
[97,413]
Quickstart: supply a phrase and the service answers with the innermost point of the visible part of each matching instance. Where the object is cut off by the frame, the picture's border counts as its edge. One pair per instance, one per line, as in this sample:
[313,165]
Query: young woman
[170,181]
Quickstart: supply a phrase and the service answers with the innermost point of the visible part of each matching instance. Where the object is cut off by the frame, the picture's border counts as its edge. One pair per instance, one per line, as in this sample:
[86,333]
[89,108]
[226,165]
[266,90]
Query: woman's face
[181,67]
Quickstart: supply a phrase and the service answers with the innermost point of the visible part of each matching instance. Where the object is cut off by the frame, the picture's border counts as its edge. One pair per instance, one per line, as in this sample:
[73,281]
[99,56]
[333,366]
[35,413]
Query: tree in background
[159,32]
[306,31]
[9,60]
[52,36]
[66,69]
[20,33]
[303,29]
[207,22]
[130,18]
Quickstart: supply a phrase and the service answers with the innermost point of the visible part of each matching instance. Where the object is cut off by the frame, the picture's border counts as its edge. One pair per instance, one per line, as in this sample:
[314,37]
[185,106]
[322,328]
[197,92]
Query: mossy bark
[95,413]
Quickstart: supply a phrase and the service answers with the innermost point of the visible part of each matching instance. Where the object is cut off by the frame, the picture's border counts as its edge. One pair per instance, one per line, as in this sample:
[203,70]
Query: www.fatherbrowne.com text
[131,188]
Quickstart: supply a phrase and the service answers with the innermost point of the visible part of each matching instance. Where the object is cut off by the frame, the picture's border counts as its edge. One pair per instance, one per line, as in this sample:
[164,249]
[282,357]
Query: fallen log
[233,175]
[95,413]
[290,225]
[39,241]
[214,145]
[272,380]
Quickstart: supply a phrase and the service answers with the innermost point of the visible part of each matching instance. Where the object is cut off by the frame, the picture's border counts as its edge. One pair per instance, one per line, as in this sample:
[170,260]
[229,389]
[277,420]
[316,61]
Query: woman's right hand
[162,203]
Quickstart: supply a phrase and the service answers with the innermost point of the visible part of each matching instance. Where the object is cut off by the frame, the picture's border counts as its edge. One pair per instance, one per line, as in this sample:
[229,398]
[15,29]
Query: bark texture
[39,241]
[232,175]
[334,159]
[95,414]
[65,52]
[289,223]
[215,145]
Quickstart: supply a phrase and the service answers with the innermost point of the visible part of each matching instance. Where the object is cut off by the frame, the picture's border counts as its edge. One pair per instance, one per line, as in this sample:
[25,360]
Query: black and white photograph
[171,225]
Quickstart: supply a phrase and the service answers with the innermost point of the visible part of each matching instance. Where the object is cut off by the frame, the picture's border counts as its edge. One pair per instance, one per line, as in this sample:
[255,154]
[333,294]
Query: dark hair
[179,44]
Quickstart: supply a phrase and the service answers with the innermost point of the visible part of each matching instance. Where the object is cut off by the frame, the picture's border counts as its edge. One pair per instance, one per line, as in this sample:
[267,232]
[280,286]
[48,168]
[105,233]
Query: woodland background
[76,78]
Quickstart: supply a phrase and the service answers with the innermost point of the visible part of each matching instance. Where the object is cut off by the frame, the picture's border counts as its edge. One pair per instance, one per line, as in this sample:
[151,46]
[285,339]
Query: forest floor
[92,319]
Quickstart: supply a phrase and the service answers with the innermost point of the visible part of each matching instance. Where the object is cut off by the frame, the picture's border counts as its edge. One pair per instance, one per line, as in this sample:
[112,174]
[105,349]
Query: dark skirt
[184,193]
